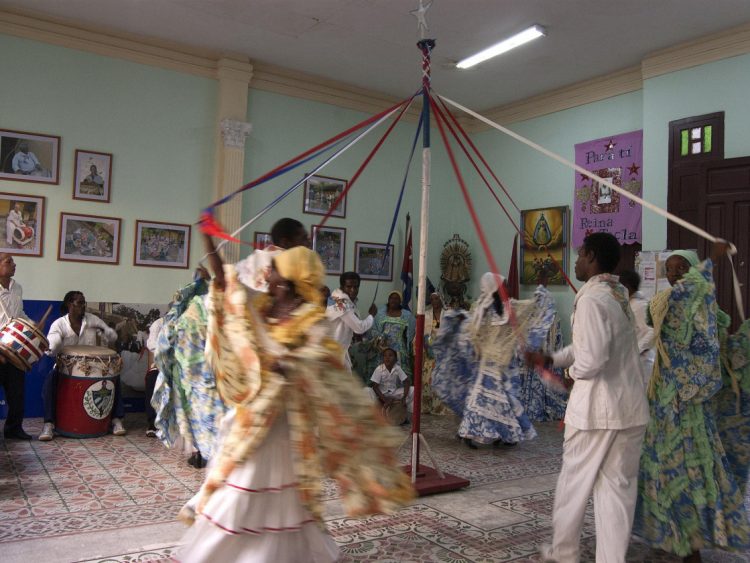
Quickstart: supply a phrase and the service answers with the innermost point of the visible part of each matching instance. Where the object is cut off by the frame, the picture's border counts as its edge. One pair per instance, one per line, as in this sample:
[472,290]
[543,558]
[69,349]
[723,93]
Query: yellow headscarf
[303,268]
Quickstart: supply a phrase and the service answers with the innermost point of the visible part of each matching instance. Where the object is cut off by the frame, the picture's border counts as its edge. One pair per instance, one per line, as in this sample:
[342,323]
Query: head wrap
[488,285]
[396,292]
[303,268]
[690,255]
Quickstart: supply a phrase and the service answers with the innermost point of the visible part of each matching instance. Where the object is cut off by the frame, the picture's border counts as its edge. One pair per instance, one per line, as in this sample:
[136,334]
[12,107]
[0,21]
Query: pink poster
[598,208]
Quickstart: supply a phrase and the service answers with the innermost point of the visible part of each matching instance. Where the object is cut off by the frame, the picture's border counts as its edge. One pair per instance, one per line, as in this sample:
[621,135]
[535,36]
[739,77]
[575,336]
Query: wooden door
[716,197]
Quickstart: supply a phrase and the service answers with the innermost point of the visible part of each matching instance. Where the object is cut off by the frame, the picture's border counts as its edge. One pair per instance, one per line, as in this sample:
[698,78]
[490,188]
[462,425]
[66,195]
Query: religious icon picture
[373,261]
[545,246]
[329,243]
[23,216]
[321,193]
[162,245]
[262,240]
[93,176]
[29,157]
[89,238]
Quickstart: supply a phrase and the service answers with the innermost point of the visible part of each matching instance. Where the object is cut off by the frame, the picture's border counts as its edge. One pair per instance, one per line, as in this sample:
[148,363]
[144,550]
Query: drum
[22,343]
[395,413]
[86,390]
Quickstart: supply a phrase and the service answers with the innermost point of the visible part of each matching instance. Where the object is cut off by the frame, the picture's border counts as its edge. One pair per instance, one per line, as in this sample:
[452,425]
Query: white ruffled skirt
[257,516]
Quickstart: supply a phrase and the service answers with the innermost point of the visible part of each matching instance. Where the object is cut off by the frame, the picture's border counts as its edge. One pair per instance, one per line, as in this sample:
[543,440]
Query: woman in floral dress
[688,497]
[431,403]
[299,417]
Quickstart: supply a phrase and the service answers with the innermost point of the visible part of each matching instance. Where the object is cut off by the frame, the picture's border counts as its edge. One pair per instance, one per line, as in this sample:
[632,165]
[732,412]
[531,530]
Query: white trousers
[604,462]
[398,394]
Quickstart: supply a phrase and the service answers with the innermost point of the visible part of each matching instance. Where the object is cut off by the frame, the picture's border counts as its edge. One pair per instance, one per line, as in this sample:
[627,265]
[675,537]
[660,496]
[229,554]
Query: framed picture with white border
[89,238]
[93,176]
[373,261]
[162,245]
[330,244]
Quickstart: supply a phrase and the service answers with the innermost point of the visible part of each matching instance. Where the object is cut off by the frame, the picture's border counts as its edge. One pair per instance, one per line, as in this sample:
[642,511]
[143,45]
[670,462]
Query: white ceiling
[370,43]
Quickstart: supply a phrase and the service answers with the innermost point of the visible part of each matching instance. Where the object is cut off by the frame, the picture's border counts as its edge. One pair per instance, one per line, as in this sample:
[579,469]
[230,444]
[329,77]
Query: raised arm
[215,263]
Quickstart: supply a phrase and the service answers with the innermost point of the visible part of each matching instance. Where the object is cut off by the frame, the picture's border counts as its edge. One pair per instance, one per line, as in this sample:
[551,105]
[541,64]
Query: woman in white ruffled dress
[299,417]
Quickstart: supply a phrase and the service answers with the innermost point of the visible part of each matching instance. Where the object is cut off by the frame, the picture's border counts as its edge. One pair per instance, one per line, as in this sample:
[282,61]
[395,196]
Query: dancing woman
[477,365]
[299,416]
[431,403]
[688,499]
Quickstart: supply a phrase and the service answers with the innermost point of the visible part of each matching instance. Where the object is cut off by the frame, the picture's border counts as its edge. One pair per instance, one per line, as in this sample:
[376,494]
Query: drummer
[11,378]
[76,328]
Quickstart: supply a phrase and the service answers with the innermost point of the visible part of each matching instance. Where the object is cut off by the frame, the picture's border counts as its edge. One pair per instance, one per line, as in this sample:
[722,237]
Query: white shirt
[61,334]
[25,163]
[643,332]
[254,270]
[14,218]
[153,334]
[609,391]
[12,301]
[346,322]
[388,380]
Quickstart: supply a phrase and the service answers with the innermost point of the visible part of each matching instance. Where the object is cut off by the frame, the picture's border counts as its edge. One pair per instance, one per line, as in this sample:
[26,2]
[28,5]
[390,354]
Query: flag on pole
[407,267]
[513,286]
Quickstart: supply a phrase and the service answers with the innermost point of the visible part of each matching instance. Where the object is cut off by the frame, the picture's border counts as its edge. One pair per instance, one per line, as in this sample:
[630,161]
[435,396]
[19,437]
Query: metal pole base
[429,481]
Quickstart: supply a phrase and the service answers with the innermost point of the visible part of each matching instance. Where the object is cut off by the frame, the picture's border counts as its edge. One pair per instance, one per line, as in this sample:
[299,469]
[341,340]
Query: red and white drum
[22,343]
[86,390]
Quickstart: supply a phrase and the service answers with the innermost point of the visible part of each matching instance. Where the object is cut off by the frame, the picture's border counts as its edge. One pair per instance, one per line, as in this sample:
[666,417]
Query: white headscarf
[488,285]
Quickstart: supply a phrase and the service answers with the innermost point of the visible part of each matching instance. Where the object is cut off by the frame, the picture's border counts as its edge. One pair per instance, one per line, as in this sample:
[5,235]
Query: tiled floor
[115,499]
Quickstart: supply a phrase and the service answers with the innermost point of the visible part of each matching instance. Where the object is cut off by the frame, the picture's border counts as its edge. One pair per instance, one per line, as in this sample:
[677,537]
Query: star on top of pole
[420,13]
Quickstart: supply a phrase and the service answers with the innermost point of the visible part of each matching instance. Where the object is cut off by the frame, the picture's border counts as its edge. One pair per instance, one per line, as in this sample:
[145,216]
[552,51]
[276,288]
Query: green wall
[718,86]
[535,180]
[158,124]
[284,127]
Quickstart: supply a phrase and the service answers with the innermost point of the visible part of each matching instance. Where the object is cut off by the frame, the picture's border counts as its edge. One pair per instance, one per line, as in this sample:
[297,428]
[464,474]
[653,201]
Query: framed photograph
[164,245]
[321,193]
[93,176]
[544,249]
[373,261]
[22,224]
[329,243]
[29,157]
[262,240]
[89,238]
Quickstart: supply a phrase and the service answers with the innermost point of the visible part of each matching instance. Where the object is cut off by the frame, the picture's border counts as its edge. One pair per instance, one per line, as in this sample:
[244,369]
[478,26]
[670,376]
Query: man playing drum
[11,378]
[76,328]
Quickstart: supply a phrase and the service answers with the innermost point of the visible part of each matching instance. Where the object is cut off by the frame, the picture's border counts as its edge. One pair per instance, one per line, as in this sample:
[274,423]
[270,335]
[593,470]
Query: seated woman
[395,328]
[76,328]
[299,416]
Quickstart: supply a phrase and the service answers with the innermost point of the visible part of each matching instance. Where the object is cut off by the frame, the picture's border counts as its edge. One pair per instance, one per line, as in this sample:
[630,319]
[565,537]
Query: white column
[229,159]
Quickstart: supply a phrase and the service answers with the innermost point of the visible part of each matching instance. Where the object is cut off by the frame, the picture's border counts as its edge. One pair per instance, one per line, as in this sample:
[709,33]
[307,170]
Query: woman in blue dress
[688,498]
[477,365]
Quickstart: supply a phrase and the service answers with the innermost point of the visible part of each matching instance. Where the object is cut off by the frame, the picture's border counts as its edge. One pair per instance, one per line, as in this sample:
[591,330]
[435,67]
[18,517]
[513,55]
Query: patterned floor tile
[68,486]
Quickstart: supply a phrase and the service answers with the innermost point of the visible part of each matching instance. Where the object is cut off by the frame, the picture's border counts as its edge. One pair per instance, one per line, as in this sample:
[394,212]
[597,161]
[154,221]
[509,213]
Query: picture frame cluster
[35,158]
[327,196]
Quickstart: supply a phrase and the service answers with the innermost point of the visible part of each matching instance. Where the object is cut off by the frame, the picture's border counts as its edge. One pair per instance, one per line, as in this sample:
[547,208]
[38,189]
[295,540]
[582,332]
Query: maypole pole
[426,480]
[426,46]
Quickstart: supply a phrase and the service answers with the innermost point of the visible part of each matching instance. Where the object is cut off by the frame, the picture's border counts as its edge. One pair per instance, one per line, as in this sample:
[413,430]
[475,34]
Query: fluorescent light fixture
[504,46]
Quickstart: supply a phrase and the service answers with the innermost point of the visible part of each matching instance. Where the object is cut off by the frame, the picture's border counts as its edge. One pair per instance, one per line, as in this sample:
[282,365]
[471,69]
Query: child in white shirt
[390,383]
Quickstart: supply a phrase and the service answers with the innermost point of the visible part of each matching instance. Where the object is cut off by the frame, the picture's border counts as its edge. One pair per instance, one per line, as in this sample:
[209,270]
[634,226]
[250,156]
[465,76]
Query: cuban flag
[407,267]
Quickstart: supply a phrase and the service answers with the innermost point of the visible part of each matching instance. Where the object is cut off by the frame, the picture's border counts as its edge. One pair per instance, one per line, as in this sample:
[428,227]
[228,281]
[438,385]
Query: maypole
[426,46]
[426,480]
